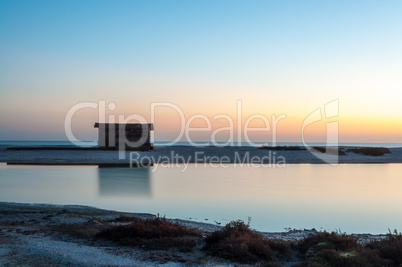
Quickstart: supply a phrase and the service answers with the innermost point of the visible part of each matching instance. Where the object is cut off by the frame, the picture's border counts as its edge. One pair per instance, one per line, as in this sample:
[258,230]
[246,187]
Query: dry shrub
[125,218]
[333,249]
[359,257]
[281,248]
[152,233]
[237,242]
[325,240]
[389,248]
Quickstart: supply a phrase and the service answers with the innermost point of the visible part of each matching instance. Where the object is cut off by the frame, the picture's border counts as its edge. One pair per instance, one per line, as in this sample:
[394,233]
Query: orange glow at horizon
[168,123]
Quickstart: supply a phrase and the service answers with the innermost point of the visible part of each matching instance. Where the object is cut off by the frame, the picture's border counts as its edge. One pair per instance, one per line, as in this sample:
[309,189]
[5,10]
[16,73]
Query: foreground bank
[33,235]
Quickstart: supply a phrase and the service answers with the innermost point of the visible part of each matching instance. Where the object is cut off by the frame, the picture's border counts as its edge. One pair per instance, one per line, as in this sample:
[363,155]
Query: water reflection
[353,197]
[126,182]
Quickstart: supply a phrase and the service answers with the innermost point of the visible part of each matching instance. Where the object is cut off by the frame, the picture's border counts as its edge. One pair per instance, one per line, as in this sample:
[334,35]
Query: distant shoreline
[190,155]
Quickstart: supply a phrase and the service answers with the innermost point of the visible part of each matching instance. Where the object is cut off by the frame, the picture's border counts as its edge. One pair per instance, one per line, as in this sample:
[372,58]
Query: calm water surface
[352,197]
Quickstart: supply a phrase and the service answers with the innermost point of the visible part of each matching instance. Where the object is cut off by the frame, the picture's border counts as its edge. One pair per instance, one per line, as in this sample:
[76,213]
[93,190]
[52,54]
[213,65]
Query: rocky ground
[51,235]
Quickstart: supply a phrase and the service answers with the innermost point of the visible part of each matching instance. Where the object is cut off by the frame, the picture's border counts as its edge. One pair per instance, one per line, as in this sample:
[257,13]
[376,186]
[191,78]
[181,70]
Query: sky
[202,57]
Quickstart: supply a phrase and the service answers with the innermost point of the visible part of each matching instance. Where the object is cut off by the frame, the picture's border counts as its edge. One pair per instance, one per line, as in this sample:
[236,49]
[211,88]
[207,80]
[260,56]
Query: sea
[352,198]
[164,143]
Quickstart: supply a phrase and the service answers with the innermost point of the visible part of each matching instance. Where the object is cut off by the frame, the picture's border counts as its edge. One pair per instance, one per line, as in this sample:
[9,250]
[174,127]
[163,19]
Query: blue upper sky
[197,37]
[54,54]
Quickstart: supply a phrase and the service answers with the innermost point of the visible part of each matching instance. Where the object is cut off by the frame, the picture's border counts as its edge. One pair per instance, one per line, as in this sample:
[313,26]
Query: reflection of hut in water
[127,182]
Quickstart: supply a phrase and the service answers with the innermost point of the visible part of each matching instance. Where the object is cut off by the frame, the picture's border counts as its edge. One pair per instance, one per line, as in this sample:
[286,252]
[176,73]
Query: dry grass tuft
[238,243]
[125,218]
[389,248]
[333,249]
[152,233]
[325,240]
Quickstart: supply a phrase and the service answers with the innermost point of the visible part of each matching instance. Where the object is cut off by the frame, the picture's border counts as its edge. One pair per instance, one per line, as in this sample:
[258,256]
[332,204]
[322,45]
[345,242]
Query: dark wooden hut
[128,136]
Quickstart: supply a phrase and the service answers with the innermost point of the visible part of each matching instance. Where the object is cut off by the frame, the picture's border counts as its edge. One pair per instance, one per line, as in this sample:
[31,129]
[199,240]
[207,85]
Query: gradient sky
[277,57]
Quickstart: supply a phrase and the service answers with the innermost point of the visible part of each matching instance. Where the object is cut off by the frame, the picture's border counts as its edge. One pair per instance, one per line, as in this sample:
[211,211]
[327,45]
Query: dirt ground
[51,235]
